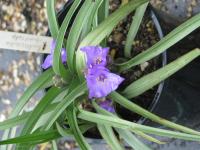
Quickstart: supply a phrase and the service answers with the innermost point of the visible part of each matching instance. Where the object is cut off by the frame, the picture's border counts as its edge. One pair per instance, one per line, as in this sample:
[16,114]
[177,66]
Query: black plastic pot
[180,99]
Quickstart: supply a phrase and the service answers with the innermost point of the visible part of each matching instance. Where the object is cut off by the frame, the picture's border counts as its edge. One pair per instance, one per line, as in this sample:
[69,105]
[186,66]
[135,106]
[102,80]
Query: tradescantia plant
[77,73]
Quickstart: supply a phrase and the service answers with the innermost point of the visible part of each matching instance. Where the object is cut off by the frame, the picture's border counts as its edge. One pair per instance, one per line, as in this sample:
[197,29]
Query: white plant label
[24,42]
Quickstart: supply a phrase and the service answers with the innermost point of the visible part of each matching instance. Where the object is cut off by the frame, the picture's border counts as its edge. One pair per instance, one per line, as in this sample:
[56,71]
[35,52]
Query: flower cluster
[100,80]
[49,59]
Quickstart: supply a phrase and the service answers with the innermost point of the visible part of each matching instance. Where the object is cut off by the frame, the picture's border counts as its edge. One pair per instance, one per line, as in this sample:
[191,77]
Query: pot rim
[156,98]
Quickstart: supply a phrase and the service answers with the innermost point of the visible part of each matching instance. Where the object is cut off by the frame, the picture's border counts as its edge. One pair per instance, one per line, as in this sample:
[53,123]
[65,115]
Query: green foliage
[147,82]
[141,111]
[137,19]
[104,29]
[57,63]
[52,19]
[172,38]
[60,112]
[72,119]
[75,31]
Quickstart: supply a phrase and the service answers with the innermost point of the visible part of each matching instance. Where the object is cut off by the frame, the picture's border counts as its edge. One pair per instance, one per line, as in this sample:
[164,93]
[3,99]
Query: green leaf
[103,30]
[21,119]
[42,136]
[169,40]
[37,137]
[127,134]
[14,121]
[61,130]
[137,19]
[75,32]
[57,62]
[123,124]
[39,110]
[78,91]
[72,120]
[147,82]
[43,79]
[54,145]
[143,112]
[132,140]
[103,11]
[109,136]
[92,16]
[83,129]
[147,137]
[107,131]
[52,19]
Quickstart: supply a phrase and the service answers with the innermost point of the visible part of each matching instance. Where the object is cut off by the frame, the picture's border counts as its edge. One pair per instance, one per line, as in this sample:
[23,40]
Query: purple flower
[96,55]
[101,82]
[107,105]
[49,59]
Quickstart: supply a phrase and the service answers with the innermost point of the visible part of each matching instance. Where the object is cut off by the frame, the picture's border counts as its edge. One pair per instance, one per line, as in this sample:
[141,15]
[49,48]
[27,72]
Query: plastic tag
[25,42]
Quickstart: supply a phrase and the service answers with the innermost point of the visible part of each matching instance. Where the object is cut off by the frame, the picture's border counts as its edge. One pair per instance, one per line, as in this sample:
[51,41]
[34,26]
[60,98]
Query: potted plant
[80,72]
[149,32]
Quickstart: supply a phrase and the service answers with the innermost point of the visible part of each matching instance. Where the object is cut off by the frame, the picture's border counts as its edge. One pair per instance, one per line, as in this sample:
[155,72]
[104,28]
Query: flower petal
[49,59]
[101,82]
[47,62]
[107,105]
[96,55]
[64,55]
[53,46]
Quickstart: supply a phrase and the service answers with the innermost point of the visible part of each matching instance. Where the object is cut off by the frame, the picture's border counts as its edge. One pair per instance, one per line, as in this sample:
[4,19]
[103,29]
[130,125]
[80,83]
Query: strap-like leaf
[54,145]
[9,123]
[52,19]
[143,112]
[147,82]
[72,120]
[128,136]
[78,91]
[132,140]
[123,124]
[75,31]
[107,131]
[57,62]
[44,78]
[43,136]
[109,136]
[37,137]
[137,19]
[39,110]
[89,22]
[169,40]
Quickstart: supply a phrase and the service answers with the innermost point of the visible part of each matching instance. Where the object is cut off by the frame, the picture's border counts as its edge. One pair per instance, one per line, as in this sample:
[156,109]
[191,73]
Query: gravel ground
[176,11]
[18,70]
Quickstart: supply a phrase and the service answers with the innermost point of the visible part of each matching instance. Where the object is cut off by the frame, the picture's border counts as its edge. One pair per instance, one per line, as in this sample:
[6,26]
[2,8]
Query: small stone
[2,117]
[6,101]
[118,37]
[144,66]
[67,146]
